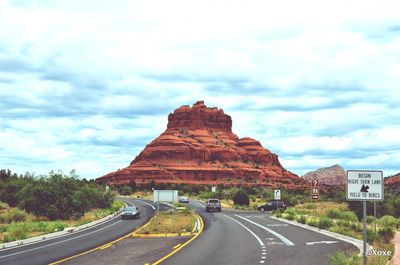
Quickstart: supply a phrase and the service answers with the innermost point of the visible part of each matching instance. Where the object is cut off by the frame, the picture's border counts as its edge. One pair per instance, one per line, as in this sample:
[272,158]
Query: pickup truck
[213,205]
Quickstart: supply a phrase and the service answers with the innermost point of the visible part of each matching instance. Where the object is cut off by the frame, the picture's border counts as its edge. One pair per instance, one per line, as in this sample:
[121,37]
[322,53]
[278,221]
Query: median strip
[200,220]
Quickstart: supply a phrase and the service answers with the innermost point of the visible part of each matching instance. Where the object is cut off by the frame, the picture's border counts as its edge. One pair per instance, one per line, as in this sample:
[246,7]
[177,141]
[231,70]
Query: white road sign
[277,194]
[165,196]
[364,185]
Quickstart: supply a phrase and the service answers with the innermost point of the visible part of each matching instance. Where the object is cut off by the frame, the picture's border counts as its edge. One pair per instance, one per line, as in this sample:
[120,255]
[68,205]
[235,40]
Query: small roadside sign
[364,185]
[315,189]
[213,189]
[277,194]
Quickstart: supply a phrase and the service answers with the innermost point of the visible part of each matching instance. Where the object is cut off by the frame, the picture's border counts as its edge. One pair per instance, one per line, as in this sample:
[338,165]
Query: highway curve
[238,237]
[51,250]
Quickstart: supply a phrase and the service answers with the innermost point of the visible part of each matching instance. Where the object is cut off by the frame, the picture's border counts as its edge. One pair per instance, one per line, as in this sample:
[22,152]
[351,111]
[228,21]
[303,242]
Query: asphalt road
[236,237]
[52,250]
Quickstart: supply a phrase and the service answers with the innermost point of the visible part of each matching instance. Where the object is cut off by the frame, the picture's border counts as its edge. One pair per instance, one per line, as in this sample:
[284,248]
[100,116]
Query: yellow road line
[177,246]
[106,246]
[184,244]
[94,249]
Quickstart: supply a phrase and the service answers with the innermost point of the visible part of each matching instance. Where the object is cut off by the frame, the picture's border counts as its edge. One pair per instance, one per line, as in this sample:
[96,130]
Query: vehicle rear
[213,205]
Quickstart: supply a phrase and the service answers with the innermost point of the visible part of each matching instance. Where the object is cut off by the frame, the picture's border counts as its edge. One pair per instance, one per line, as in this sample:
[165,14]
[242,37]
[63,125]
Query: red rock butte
[198,147]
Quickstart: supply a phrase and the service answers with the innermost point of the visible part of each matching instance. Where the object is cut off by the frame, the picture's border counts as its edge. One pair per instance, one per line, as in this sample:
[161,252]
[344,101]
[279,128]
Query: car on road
[184,199]
[130,212]
[213,205]
[272,205]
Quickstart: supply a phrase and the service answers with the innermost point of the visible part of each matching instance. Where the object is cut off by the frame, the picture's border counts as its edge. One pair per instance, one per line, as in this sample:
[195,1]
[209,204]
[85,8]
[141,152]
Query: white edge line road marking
[245,227]
[59,242]
[282,238]
[321,242]
[198,203]
[152,206]
[78,231]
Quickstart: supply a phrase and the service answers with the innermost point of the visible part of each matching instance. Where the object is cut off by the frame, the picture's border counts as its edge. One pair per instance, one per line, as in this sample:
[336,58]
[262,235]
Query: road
[237,237]
[51,250]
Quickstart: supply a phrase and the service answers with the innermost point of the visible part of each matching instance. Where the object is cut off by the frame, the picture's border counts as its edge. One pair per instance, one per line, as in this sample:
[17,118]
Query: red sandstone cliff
[333,176]
[199,147]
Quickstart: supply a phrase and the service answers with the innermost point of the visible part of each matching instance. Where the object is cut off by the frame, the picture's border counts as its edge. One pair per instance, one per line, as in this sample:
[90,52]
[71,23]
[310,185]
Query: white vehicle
[184,199]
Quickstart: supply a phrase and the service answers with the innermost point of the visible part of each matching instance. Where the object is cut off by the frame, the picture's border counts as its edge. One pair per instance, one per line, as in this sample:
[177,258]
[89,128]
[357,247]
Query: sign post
[364,185]
[315,189]
[277,196]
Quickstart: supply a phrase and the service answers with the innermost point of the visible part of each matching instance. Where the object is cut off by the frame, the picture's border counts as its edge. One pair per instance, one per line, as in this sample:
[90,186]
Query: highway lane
[51,250]
[242,237]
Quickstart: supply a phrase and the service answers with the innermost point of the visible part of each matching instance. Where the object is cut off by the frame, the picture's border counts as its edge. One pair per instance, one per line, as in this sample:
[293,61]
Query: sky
[85,85]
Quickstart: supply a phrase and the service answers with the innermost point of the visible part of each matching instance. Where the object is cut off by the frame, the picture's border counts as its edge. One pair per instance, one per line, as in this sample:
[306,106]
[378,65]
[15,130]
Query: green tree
[241,198]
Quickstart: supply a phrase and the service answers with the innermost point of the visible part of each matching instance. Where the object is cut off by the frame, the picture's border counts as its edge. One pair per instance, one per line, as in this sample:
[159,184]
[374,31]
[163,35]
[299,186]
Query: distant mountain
[333,176]
[392,183]
[199,147]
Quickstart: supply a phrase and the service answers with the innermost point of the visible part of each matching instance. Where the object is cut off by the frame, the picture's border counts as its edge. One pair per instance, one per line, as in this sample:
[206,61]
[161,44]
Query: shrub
[343,258]
[370,219]
[386,233]
[16,215]
[4,206]
[334,213]
[325,222]
[302,219]
[125,190]
[348,216]
[17,231]
[290,211]
[389,221]
[289,216]
[241,198]
[312,222]
[371,236]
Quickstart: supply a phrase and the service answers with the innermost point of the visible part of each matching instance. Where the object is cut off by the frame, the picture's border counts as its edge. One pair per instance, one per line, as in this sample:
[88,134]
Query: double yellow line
[184,244]
[109,244]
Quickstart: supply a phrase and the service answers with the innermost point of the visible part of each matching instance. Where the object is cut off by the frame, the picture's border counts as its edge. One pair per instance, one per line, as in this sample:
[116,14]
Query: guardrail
[66,231]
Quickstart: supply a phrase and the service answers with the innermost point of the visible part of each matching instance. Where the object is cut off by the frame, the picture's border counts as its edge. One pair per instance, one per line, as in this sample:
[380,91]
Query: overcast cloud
[86,85]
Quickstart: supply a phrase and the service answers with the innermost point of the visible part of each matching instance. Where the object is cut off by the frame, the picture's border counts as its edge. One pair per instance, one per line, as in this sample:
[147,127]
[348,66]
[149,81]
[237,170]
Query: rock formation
[199,147]
[392,184]
[333,176]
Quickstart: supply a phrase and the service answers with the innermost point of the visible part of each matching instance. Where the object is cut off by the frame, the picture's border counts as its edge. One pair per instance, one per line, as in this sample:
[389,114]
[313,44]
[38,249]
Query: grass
[31,226]
[176,222]
[336,217]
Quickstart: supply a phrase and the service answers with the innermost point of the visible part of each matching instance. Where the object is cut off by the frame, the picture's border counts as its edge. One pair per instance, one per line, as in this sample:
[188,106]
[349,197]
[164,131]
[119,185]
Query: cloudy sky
[86,85]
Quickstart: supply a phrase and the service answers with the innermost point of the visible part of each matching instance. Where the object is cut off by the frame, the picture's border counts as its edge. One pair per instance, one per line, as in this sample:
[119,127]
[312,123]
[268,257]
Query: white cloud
[312,80]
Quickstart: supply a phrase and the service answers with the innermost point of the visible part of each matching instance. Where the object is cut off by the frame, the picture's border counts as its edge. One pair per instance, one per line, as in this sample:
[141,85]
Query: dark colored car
[130,212]
[213,205]
[272,205]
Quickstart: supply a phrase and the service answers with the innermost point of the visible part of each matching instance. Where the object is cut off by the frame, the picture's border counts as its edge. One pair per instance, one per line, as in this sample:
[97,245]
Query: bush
[289,216]
[389,221]
[313,223]
[386,233]
[325,222]
[370,219]
[125,190]
[290,211]
[343,258]
[4,206]
[241,198]
[302,219]
[16,215]
[371,236]
[334,213]
[349,216]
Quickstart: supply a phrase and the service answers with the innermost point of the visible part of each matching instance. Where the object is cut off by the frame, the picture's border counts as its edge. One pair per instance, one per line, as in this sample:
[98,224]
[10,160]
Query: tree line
[55,196]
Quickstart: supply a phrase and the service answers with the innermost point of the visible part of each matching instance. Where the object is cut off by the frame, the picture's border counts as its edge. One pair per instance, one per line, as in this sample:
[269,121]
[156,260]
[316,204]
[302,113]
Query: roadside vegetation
[32,206]
[176,221]
[336,217]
